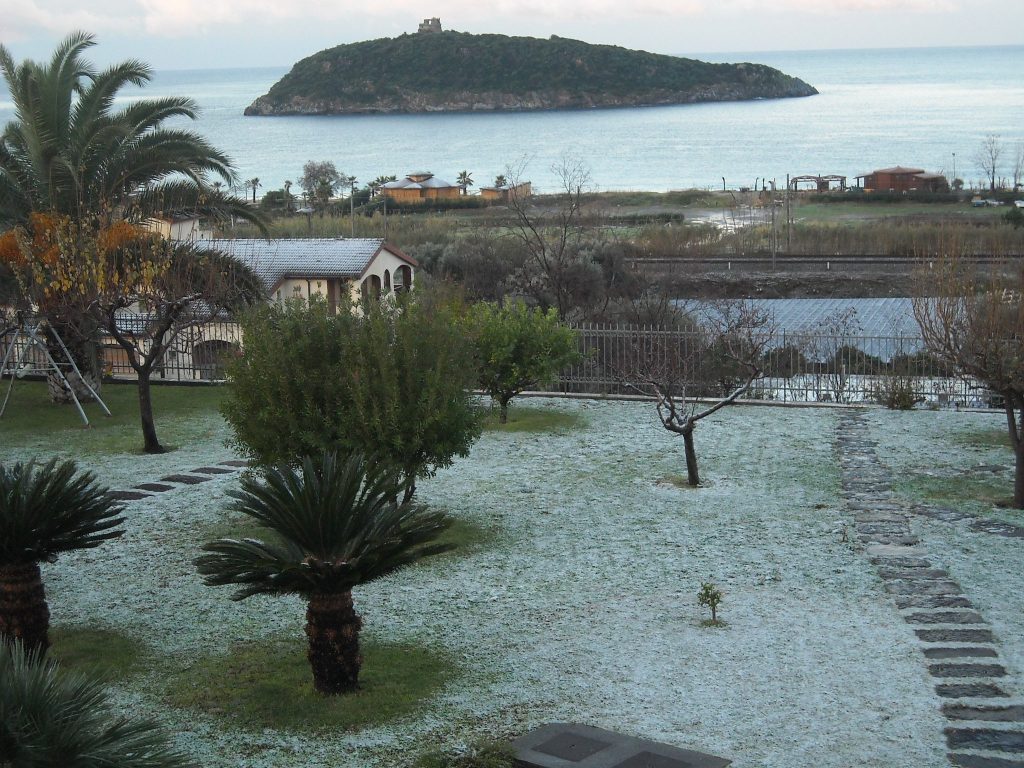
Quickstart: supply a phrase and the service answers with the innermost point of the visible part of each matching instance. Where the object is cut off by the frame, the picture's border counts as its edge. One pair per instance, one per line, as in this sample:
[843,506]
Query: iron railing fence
[799,367]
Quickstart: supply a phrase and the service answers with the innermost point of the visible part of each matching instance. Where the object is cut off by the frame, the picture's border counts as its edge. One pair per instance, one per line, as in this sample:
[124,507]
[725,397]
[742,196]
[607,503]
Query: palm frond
[340,525]
[49,509]
[49,717]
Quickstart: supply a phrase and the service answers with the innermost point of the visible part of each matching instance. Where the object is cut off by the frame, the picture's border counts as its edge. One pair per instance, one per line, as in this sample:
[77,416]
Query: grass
[100,654]
[997,437]
[183,417]
[981,492]
[269,685]
[533,419]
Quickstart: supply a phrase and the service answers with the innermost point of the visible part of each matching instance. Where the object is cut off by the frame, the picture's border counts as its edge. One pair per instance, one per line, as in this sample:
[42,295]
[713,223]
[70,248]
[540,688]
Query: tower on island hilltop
[429,26]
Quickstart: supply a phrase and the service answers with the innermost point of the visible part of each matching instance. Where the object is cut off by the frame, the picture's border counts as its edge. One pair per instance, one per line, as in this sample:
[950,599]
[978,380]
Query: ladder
[33,330]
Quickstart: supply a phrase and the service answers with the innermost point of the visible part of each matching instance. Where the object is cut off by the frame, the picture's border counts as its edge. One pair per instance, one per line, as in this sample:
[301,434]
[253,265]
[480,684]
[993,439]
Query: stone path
[170,482]
[986,724]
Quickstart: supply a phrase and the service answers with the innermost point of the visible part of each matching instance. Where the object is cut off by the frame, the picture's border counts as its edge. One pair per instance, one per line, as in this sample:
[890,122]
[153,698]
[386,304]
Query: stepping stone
[157,487]
[922,587]
[129,495]
[958,653]
[558,745]
[901,540]
[913,573]
[898,561]
[977,761]
[186,479]
[932,601]
[880,517]
[967,670]
[955,635]
[945,617]
[235,463]
[213,471]
[1009,530]
[1010,714]
[985,738]
[970,691]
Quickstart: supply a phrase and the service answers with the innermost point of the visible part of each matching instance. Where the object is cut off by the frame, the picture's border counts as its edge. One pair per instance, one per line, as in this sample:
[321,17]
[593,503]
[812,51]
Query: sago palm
[338,525]
[52,718]
[45,510]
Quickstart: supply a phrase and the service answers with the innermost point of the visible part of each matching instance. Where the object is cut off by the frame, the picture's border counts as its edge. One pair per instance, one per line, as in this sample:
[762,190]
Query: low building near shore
[900,179]
[420,188]
[504,194]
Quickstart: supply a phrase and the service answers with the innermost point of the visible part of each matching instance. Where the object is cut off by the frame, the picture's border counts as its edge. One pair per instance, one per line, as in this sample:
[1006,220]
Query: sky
[200,34]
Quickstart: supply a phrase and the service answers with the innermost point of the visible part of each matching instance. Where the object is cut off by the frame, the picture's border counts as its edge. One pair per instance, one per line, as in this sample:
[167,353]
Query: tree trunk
[692,478]
[503,412]
[1018,476]
[84,354]
[332,628]
[1013,403]
[24,614]
[150,442]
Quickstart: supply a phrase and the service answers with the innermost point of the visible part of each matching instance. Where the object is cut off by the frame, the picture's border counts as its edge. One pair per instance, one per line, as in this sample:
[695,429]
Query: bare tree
[693,370]
[977,325]
[990,152]
[552,237]
[183,288]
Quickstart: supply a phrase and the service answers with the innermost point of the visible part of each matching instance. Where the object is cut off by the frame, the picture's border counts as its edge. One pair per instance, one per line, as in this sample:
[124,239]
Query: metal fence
[799,367]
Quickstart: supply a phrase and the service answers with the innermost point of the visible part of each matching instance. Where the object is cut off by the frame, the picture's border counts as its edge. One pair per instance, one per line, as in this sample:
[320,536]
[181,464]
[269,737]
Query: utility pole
[352,203]
[789,241]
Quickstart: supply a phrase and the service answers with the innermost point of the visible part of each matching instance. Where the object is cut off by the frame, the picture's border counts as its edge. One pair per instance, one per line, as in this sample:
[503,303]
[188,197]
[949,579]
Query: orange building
[900,179]
[502,194]
[420,188]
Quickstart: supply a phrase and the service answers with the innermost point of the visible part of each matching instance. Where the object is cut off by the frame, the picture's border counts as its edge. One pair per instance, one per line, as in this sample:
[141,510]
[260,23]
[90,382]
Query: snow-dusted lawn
[584,607]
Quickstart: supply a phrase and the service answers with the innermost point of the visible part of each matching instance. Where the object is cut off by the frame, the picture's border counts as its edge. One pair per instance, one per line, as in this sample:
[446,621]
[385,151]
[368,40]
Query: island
[462,72]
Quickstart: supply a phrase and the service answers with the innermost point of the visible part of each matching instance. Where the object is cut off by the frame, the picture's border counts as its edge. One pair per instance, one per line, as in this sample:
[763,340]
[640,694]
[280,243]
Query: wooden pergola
[821,183]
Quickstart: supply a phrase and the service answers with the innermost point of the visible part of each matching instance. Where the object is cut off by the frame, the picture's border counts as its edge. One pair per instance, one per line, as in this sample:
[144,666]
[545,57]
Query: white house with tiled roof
[330,267]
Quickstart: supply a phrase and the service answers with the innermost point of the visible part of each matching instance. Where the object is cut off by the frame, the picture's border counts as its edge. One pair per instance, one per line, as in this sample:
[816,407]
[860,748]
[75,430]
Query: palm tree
[51,717]
[337,525]
[44,511]
[253,183]
[74,152]
[465,179]
[500,181]
[288,195]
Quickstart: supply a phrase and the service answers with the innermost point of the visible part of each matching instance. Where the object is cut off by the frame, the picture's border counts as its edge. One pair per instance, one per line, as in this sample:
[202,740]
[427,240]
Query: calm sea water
[923,107]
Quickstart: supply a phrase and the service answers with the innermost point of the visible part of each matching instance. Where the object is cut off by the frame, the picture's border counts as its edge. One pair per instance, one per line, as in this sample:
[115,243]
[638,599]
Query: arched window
[387,281]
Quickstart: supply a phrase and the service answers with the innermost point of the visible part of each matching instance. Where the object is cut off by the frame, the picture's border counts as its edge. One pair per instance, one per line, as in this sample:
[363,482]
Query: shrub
[392,381]
[710,596]
[895,392]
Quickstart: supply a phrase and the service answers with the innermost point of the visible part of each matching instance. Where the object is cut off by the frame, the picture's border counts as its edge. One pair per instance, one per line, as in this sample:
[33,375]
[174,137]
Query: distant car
[994,203]
[978,202]
[1019,203]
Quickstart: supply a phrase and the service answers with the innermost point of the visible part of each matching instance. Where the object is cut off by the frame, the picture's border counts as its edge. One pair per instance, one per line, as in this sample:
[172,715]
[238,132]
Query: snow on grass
[582,608]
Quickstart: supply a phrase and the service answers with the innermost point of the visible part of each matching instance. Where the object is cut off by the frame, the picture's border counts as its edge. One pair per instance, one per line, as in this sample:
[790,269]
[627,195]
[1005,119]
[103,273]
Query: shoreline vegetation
[462,72]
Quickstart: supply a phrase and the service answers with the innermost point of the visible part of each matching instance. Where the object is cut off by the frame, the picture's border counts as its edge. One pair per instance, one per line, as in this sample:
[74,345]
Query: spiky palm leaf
[48,509]
[70,151]
[339,526]
[50,718]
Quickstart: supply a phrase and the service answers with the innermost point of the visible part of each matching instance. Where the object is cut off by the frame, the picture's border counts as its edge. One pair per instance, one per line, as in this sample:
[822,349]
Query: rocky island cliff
[461,72]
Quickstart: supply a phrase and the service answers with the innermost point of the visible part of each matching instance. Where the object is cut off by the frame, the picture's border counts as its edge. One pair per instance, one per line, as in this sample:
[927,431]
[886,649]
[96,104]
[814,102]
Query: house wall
[384,267]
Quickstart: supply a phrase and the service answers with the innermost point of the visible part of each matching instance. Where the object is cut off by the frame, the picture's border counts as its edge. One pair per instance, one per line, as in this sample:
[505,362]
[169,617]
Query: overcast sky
[190,34]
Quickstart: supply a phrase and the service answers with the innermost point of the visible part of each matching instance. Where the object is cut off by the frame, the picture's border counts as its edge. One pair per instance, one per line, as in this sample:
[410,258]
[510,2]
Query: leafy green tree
[72,152]
[518,348]
[49,717]
[45,511]
[337,525]
[391,381]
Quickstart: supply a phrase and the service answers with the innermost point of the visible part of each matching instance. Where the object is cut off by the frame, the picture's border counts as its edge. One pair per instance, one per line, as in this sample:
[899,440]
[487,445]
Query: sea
[926,107]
